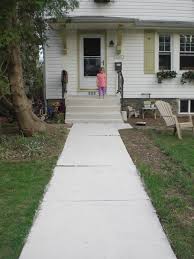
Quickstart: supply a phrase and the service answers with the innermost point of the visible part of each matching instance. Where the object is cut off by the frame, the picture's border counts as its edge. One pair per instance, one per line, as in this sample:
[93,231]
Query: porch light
[111,43]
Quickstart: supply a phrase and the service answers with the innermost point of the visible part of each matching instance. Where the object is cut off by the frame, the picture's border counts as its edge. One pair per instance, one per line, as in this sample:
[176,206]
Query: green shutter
[63,32]
[119,40]
[149,52]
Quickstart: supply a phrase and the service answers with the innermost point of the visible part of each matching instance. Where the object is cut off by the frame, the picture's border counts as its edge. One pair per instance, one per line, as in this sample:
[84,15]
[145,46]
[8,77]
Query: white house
[147,36]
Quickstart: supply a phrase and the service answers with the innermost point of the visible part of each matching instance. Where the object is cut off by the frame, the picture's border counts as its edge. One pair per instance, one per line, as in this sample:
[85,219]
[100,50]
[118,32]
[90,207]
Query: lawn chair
[147,104]
[148,107]
[132,111]
[171,119]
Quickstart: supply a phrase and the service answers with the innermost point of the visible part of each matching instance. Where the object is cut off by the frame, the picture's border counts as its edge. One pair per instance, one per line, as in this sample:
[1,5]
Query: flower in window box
[187,77]
[165,75]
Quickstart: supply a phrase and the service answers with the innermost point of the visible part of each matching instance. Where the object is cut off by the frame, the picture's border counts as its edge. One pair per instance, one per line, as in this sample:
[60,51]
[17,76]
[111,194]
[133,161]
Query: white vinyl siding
[152,9]
[136,82]
[132,57]
[56,60]
[53,66]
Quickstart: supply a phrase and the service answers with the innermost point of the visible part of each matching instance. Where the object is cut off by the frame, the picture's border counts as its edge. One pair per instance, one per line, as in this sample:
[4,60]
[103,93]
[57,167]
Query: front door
[92,57]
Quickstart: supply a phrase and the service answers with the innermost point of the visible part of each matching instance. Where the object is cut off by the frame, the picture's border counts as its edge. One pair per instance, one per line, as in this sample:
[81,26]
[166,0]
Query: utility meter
[118,66]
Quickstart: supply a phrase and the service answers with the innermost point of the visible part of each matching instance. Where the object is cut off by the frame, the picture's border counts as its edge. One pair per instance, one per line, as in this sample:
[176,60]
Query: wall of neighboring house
[142,9]
[53,65]
[132,57]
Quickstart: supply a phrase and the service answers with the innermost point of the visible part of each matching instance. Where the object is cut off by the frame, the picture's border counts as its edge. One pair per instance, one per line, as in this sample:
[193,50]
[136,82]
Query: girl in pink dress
[101,82]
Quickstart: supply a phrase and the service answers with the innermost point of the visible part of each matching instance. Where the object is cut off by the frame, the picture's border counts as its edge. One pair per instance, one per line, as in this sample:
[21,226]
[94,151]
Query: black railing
[121,87]
[64,80]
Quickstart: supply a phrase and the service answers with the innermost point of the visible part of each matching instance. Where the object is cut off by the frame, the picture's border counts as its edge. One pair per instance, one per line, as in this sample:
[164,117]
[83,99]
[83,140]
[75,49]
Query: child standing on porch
[101,82]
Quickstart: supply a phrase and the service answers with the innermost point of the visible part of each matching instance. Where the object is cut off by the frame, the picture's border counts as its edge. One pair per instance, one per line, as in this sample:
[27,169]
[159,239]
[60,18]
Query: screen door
[91,59]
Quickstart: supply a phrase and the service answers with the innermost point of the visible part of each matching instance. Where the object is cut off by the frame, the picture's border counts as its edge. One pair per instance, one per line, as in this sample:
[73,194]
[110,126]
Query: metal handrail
[64,80]
[121,87]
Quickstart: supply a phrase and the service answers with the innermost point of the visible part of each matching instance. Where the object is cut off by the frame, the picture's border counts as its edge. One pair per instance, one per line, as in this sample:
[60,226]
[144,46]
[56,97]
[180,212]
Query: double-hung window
[164,52]
[186,52]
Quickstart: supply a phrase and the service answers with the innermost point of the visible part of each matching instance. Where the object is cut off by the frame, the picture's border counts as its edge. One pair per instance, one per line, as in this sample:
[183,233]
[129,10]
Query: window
[186,52]
[164,52]
[92,56]
[186,106]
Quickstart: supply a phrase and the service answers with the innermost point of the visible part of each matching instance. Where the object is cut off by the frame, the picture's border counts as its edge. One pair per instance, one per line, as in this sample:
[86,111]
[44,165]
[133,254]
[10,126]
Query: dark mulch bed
[141,148]
[151,123]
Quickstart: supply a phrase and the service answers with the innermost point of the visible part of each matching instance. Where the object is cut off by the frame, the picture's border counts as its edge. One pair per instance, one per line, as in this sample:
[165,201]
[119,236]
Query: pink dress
[101,80]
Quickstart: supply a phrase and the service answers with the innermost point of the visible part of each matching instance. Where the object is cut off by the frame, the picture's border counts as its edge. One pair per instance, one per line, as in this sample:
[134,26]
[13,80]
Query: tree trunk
[27,120]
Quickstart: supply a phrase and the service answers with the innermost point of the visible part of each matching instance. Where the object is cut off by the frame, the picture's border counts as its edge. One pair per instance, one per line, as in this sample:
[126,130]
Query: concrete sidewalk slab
[99,150]
[97,230]
[94,184]
[95,206]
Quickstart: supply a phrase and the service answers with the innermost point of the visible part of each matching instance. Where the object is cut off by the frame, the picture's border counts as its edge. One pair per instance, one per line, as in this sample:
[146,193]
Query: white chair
[132,111]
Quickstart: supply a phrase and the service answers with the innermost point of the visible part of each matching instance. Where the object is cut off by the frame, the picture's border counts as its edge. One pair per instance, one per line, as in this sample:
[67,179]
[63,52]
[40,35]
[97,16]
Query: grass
[25,169]
[180,151]
[18,147]
[172,190]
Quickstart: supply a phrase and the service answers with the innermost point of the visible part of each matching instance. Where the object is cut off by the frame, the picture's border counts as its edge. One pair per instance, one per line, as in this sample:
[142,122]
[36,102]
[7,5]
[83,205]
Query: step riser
[96,109]
[92,102]
[93,109]
[93,121]
[92,116]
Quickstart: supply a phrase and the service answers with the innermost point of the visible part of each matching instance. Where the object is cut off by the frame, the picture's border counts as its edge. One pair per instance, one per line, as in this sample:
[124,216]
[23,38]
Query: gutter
[163,24]
[137,23]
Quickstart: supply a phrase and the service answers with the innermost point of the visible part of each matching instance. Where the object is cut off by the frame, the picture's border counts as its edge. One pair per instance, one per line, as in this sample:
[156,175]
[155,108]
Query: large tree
[23,24]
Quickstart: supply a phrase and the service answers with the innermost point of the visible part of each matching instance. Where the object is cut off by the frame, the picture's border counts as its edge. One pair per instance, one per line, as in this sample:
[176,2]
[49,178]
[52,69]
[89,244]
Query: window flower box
[165,75]
[102,1]
[187,77]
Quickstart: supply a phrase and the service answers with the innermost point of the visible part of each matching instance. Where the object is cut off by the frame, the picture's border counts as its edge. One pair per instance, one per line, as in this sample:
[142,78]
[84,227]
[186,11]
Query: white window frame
[189,106]
[170,52]
[185,51]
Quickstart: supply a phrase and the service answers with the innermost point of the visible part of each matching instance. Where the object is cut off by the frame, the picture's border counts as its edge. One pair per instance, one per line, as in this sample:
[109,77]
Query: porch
[83,44]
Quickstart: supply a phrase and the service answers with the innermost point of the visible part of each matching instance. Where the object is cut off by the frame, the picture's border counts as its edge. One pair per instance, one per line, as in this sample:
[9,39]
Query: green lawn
[22,184]
[166,165]
[172,190]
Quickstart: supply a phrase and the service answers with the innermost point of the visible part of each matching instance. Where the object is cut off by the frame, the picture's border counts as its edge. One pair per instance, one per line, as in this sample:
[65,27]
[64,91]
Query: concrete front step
[77,120]
[94,109]
[92,101]
[72,115]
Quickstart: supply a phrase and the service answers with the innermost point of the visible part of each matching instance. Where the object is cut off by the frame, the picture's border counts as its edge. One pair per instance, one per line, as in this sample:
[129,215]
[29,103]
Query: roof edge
[116,19]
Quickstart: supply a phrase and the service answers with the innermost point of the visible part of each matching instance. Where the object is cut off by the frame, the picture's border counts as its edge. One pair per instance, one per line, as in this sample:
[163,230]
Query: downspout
[44,81]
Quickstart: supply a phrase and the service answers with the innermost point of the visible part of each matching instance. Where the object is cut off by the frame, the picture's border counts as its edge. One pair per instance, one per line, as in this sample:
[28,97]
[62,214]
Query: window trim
[184,52]
[170,52]
[189,106]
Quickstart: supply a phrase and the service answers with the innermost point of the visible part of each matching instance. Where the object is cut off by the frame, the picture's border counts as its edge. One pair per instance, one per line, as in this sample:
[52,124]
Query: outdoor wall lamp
[111,43]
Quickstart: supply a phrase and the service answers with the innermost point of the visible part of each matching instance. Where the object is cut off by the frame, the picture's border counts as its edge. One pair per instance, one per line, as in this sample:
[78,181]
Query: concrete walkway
[96,206]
